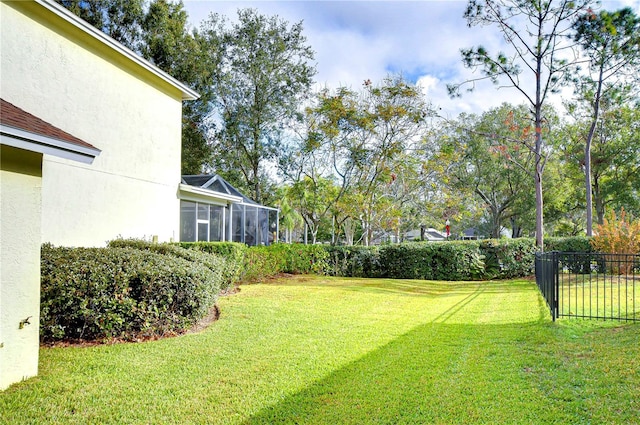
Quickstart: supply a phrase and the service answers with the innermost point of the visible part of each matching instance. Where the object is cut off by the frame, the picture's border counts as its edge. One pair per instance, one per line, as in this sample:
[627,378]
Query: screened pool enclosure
[213,210]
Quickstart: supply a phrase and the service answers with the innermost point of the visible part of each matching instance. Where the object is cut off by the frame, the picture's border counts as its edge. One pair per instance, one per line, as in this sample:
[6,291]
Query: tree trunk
[587,182]
[599,201]
[587,153]
[516,231]
[539,207]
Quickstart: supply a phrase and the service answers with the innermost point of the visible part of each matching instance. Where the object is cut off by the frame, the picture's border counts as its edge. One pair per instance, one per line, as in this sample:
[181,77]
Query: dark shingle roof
[216,183]
[12,116]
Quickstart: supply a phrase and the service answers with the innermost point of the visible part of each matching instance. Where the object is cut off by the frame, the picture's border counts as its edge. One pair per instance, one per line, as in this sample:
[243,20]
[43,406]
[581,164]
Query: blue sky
[359,40]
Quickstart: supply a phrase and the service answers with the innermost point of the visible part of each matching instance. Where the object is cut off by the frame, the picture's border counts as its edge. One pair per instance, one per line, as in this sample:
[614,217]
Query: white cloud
[359,40]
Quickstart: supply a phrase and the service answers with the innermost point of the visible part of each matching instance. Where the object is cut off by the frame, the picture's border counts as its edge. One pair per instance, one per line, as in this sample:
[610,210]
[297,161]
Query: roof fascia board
[246,204]
[187,93]
[17,138]
[208,194]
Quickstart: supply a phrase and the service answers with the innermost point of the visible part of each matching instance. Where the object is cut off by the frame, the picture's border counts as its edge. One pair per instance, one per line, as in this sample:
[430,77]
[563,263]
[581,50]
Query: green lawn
[312,350]
[596,295]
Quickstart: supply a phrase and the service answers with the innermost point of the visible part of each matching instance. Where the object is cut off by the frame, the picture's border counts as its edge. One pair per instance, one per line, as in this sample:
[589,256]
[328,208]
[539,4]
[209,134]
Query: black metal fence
[590,285]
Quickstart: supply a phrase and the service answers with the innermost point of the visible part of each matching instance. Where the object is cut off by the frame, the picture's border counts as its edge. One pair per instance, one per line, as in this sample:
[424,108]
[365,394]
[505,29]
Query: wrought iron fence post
[555,292]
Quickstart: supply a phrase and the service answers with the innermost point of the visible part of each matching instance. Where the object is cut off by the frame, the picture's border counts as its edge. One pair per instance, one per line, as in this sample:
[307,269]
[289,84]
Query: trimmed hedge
[300,258]
[353,261]
[455,260]
[213,262]
[126,293]
[508,258]
[233,252]
[268,261]
[568,244]
[432,261]
[136,288]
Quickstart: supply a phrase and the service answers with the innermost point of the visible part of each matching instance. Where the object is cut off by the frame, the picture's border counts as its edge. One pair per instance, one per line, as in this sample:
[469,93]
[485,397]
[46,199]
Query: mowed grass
[611,296]
[313,350]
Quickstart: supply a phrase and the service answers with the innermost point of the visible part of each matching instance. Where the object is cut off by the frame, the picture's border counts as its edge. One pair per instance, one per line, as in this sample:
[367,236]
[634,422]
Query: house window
[201,222]
[216,223]
[238,223]
[188,221]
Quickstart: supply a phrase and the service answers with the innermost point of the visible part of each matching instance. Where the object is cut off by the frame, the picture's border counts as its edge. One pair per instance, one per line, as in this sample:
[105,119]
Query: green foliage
[354,261]
[264,72]
[459,260]
[568,244]
[302,259]
[234,253]
[268,261]
[576,264]
[213,262]
[119,19]
[261,262]
[98,293]
[433,261]
[508,258]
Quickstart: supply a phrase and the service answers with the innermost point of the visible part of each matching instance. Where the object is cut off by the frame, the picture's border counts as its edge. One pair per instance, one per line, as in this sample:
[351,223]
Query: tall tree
[120,19]
[360,138]
[536,31]
[168,43]
[615,169]
[611,42]
[484,167]
[264,74]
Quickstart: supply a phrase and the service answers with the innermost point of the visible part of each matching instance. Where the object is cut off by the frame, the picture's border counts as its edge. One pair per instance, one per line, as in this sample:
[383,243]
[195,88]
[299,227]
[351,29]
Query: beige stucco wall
[20,185]
[61,75]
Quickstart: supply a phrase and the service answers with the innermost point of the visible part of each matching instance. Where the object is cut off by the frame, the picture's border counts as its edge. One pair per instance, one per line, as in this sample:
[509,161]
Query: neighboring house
[213,210]
[470,234]
[71,79]
[427,234]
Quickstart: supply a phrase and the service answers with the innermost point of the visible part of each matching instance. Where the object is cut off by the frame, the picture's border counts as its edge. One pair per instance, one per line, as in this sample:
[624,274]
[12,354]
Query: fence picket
[590,285]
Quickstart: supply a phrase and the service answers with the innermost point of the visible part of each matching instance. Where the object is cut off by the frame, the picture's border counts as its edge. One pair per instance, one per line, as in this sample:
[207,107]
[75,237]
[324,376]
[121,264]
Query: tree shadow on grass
[413,287]
[446,373]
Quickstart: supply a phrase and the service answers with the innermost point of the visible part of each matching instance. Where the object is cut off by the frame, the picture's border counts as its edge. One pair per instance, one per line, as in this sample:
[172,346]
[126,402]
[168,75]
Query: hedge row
[267,261]
[136,288]
[124,292]
[465,260]
[250,264]
[233,253]
[457,260]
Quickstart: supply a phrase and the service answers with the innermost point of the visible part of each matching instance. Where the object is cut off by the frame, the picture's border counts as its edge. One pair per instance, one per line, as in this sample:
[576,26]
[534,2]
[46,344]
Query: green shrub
[302,259]
[268,261]
[568,244]
[508,258]
[432,261]
[98,293]
[456,260]
[234,253]
[576,264]
[261,262]
[353,261]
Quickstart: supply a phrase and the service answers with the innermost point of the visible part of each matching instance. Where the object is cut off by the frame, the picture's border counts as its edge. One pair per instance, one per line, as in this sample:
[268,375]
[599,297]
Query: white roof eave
[211,194]
[33,142]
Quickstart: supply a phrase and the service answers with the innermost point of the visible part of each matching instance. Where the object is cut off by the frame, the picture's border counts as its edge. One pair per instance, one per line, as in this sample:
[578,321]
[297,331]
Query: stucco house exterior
[103,161]
[25,140]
